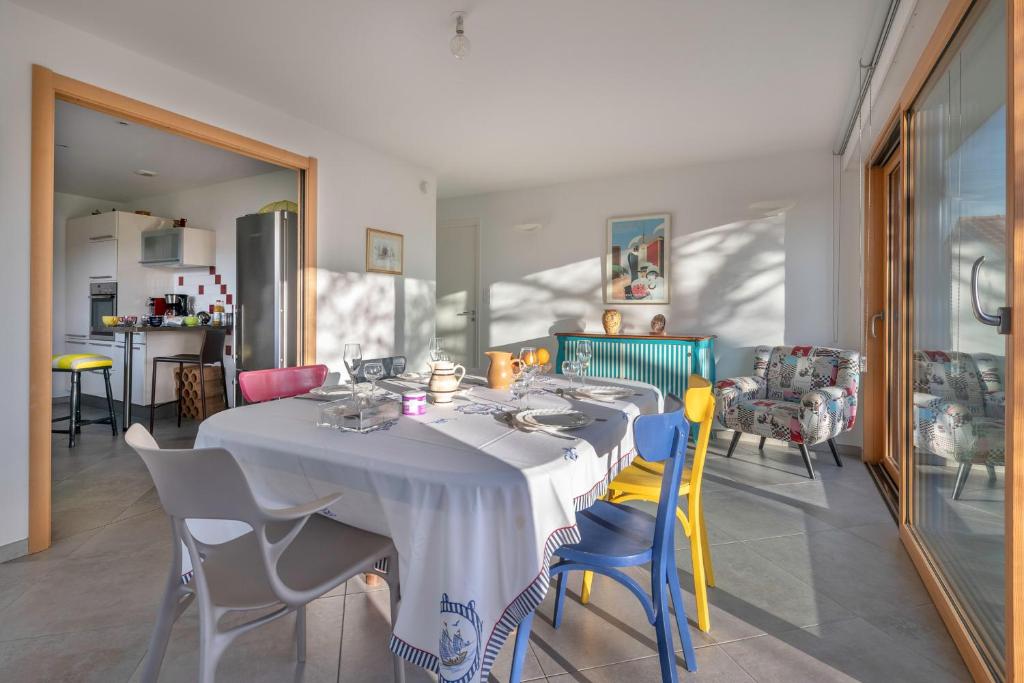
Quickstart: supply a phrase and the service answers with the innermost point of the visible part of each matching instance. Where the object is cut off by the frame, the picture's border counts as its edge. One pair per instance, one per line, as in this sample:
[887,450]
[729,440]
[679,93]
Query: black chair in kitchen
[211,354]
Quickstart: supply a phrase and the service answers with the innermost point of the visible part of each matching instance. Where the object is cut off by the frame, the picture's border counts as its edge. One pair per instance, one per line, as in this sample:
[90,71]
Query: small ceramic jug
[444,381]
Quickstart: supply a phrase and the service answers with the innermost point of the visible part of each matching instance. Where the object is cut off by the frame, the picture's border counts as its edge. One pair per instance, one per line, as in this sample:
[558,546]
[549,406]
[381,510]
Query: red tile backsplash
[229,300]
[181,280]
[213,270]
[202,289]
[223,289]
[216,279]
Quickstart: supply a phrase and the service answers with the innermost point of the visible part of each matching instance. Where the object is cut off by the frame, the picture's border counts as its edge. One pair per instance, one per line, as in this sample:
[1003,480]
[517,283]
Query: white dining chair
[290,557]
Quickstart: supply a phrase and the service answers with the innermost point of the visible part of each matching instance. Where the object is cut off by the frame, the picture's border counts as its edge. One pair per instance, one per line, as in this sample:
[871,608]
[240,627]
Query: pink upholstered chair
[265,385]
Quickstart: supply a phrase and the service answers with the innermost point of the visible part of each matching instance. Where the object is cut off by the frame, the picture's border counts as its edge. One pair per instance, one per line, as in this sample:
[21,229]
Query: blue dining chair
[615,536]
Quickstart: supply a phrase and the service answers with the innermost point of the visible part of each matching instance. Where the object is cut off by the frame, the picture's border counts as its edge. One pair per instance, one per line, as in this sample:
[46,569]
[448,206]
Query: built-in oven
[102,301]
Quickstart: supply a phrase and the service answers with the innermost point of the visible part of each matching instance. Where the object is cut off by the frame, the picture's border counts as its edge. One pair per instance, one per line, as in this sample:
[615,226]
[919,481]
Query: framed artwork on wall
[385,252]
[637,260]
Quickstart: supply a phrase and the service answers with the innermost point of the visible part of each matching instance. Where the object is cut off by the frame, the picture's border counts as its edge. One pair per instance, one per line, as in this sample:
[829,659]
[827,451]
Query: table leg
[126,395]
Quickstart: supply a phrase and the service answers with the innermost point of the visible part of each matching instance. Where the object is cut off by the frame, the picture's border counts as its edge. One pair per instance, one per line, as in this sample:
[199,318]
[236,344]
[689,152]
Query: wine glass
[353,357]
[584,351]
[373,371]
[437,348]
[569,369]
[528,354]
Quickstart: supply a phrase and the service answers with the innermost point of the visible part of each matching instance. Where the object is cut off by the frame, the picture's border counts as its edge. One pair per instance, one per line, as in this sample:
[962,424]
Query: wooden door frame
[947,605]
[47,88]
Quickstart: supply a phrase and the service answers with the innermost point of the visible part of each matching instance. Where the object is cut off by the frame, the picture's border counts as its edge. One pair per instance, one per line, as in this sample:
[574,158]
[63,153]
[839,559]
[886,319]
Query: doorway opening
[458,277]
[49,89]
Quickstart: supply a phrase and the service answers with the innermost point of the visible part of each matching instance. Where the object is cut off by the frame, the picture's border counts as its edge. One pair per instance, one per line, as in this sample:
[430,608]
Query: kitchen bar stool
[211,353]
[76,364]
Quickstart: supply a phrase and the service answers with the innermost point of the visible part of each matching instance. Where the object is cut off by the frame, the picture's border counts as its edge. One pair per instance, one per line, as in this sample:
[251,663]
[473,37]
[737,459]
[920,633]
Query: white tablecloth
[475,507]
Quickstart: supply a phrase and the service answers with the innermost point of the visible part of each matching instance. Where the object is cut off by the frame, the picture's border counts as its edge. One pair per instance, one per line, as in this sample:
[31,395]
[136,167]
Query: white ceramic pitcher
[444,381]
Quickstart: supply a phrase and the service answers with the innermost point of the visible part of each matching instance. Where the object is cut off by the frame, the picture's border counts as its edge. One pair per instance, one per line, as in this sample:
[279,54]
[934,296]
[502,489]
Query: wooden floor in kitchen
[813,585]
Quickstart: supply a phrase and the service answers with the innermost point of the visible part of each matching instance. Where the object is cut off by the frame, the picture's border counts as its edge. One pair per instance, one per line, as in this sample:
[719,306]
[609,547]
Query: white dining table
[475,507]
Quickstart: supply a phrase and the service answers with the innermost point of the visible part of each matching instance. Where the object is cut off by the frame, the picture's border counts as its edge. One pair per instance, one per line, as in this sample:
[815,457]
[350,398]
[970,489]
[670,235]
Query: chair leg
[684,627]
[732,445]
[666,652]
[202,388]
[835,453]
[152,398]
[588,584]
[210,645]
[300,634]
[180,385]
[559,599]
[760,446]
[174,602]
[110,401]
[78,407]
[700,587]
[224,384]
[522,644]
[709,570]
[961,479]
[76,398]
[991,473]
[807,460]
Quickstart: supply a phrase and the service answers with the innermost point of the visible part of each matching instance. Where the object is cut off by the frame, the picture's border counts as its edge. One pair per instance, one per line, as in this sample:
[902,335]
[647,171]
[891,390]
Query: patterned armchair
[959,410]
[801,394]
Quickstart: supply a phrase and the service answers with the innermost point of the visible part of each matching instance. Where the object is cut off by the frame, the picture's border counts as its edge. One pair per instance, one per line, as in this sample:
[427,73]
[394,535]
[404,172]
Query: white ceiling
[101,156]
[552,91]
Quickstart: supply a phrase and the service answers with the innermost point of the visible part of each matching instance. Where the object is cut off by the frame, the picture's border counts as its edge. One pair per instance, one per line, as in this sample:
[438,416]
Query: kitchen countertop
[137,329]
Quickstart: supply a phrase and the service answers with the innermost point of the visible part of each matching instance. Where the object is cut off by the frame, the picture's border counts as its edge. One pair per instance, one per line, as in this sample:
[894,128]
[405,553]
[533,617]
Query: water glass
[373,371]
[584,351]
[569,369]
[521,391]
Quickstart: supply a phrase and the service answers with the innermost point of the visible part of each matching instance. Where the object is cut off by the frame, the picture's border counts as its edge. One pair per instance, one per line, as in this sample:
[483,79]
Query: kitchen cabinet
[92,382]
[178,248]
[96,228]
[100,260]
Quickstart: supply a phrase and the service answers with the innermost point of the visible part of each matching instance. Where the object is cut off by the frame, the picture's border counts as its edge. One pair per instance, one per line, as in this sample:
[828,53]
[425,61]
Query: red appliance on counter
[157,305]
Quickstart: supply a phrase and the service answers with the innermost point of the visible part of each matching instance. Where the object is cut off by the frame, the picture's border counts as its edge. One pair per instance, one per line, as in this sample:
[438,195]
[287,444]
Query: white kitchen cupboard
[178,248]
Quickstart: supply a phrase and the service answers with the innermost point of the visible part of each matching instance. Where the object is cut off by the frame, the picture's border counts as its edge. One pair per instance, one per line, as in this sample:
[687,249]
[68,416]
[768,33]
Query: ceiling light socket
[459,44]
[145,173]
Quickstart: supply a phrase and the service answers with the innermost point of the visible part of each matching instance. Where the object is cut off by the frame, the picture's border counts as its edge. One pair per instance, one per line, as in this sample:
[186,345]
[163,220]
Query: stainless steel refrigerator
[267,312]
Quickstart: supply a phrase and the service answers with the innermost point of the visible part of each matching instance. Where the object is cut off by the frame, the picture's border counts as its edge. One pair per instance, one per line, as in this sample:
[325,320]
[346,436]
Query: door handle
[465,313]
[874,319]
[1001,320]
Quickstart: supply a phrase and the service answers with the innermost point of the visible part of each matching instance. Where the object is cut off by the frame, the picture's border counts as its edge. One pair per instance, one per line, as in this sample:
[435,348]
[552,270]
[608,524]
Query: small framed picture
[384,252]
[637,261]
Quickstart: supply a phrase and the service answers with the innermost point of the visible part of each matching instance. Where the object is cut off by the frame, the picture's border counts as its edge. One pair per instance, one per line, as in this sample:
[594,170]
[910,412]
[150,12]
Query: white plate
[557,419]
[412,376]
[334,390]
[604,393]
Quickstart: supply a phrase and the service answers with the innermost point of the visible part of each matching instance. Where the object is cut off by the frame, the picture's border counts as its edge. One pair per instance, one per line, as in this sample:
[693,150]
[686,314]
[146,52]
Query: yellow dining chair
[642,481]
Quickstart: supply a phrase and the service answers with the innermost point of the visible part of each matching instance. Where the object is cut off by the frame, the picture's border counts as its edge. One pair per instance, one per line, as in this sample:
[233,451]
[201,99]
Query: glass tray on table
[370,413]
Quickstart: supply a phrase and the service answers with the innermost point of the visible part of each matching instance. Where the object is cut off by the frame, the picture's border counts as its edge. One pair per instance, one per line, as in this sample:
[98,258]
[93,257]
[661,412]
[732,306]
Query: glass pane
[959,215]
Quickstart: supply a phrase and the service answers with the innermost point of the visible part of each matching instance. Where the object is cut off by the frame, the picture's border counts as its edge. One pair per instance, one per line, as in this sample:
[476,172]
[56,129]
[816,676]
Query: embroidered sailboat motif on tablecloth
[453,650]
[459,646]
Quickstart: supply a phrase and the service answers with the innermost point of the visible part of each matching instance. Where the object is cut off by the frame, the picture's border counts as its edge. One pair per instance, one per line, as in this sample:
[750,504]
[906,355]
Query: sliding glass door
[956,357]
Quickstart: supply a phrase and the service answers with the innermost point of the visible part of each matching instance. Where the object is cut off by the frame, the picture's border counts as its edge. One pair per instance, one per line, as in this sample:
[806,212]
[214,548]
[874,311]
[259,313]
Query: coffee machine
[177,304]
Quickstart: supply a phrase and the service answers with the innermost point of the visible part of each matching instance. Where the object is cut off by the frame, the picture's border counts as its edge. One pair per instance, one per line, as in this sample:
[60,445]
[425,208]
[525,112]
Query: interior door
[955,376]
[458,252]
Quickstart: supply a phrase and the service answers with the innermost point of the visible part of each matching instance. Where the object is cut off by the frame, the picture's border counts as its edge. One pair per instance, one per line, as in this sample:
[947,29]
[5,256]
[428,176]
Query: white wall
[67,206]
[358,187]
[748,279]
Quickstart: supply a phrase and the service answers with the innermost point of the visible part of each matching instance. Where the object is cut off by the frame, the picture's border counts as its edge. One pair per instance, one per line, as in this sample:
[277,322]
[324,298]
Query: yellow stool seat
[79,362]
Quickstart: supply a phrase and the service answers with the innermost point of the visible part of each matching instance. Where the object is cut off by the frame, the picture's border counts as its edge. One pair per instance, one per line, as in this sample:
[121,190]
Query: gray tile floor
[813,585]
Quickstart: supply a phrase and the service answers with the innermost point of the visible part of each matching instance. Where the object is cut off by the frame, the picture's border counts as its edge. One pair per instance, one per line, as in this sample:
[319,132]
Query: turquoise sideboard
[664,361]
